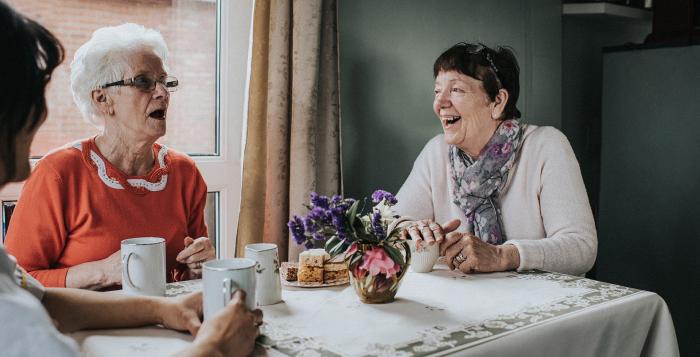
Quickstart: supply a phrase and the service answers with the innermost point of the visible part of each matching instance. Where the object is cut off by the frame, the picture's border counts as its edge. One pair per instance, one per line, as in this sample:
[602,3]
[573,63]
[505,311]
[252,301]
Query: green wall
[387,49]
[583,40]
[648,232]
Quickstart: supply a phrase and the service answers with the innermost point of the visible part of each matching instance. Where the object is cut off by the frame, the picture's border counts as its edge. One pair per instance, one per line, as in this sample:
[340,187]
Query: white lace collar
[136,183]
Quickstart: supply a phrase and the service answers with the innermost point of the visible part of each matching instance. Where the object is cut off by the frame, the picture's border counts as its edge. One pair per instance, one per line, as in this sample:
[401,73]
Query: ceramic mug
[143,266]
[268,289]
[422,261]
[221,278]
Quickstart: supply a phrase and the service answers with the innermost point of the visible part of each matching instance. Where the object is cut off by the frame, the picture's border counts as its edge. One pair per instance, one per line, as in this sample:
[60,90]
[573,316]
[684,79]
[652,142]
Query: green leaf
[407,249]
[355,258]
[351,216]
[395,255]
[335,246]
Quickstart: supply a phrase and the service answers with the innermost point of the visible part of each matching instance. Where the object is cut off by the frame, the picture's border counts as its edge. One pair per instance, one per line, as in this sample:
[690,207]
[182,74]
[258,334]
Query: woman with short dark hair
[510,194]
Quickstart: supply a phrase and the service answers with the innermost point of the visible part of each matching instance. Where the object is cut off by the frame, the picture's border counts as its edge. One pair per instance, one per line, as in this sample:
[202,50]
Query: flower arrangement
[368,236]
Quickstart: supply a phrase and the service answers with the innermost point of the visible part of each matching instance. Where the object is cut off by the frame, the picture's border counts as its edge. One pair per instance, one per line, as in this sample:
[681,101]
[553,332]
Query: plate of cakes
[314,269]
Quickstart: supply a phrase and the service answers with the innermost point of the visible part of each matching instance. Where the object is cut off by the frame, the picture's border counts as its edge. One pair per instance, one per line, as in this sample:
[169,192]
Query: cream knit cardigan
[544,205]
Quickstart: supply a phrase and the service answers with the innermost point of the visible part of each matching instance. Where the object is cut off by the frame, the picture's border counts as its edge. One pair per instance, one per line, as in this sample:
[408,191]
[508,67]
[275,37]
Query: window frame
[222,171]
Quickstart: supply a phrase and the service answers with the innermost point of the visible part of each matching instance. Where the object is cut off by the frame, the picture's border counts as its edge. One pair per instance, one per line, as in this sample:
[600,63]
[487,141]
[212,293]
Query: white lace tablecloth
[441,313]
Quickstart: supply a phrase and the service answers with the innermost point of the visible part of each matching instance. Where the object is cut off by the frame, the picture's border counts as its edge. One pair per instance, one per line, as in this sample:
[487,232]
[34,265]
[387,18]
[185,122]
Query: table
[441,313]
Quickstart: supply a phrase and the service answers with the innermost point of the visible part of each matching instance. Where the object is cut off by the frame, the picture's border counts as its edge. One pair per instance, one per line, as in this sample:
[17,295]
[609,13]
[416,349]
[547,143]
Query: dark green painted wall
[649,231]
[583,40]
[387,49]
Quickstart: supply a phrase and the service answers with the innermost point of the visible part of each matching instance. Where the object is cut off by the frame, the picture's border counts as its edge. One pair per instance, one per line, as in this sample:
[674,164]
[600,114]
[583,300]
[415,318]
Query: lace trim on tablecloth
[440,339]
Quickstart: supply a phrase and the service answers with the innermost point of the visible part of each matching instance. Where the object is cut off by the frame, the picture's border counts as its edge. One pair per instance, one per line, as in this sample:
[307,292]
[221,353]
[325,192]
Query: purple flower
[344,204]
[342,236]
[319,201]
[309,224]
[338,219]
[377,227]
[380,195]
[296,227]
[318,214]
[318,236]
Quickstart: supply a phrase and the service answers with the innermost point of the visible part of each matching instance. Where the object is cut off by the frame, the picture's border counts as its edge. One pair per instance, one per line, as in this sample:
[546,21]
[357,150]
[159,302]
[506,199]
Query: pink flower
[351,250]
[358,272]
[376,261]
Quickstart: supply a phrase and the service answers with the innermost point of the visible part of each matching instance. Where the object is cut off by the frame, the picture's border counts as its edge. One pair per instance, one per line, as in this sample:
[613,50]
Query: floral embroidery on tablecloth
[440,339]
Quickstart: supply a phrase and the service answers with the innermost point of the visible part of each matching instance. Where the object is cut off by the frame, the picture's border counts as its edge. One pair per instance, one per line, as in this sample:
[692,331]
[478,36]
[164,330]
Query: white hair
[105,59]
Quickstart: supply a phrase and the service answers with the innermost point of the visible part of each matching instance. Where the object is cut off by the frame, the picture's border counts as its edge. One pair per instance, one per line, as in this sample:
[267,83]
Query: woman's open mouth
[449,121]
[453,120]
[157,114]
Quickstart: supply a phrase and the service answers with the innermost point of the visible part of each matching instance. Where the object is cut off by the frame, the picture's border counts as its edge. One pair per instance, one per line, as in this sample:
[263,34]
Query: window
[189,29]
[209,45]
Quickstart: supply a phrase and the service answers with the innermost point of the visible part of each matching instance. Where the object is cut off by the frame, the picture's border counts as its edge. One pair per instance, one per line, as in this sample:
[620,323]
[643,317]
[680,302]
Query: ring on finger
[197,265]
[459,259]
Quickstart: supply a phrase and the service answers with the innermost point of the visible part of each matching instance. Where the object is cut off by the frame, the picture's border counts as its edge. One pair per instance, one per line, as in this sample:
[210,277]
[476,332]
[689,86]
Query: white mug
[143,266]
[422,261]
[268,289]
[221,278]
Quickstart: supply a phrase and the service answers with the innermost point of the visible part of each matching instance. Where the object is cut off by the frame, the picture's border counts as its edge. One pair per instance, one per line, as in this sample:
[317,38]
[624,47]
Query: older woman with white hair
[85,198]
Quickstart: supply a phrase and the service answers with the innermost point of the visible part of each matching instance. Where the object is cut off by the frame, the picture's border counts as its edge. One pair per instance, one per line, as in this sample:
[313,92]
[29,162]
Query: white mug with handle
[423,260]
[143,266]
[221,278]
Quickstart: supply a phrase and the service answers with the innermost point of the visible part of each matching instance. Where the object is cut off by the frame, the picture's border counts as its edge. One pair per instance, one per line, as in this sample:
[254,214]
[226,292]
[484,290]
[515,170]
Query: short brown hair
[496,68]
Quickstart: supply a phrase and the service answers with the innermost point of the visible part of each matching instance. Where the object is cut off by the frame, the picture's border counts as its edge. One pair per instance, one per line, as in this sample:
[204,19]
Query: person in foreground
[85,198]
[495,194]
[28,329]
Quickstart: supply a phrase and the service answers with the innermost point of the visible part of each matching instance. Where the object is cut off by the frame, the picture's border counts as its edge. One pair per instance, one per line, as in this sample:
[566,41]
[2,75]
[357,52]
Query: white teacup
[221,278]
[143,266]
[422,260]
[268,289]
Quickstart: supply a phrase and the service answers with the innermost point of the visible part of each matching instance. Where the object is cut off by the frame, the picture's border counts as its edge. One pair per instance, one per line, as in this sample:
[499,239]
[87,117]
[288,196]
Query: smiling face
[464,109]
[140,114]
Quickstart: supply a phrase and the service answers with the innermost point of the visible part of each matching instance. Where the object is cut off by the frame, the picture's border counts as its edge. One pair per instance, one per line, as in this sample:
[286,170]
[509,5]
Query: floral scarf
[477,184]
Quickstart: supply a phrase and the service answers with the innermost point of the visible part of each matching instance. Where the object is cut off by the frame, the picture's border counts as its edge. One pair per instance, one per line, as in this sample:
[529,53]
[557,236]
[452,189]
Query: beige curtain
[293,141]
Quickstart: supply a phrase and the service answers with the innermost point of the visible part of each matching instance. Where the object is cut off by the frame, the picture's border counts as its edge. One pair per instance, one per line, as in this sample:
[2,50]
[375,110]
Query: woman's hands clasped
[461,250]
[429,232]
[470,254]
[196,252]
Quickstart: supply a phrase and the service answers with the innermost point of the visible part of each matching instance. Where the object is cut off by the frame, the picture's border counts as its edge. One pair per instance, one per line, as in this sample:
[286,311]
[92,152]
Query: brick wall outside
[189,29]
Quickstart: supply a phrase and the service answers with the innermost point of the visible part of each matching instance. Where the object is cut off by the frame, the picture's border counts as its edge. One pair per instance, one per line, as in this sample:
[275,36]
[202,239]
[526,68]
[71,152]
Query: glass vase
[380,288]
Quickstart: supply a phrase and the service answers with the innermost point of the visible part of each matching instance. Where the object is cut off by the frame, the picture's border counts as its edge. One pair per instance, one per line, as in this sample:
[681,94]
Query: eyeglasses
[146,83]
[480,49]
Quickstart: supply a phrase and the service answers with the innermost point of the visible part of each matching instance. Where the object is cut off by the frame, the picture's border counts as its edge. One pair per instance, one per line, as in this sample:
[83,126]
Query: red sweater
[76,208]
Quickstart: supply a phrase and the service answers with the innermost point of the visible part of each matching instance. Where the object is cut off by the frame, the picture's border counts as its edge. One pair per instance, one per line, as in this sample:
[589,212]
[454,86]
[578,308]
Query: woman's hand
[112,269]
[182,313]
[196,252]
[97,274]
[231,332]
[470,254]
[428,232]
